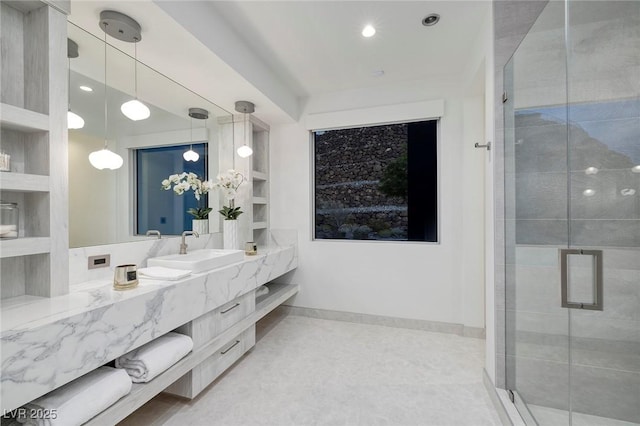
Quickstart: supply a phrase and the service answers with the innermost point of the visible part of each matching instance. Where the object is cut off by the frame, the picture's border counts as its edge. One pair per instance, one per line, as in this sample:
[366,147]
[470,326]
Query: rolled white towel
[78,401]
[262,290]
[146,362]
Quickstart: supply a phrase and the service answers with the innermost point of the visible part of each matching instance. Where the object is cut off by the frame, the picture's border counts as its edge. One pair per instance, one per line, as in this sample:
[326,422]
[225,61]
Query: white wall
[406,280]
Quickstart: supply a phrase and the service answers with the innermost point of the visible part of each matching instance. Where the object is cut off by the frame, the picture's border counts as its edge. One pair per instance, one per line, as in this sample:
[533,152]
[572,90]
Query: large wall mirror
[110,206]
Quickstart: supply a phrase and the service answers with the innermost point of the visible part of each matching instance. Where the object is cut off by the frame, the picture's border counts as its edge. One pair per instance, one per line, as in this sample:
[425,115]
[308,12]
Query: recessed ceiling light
[591,171]
[377,73]
[86,88]
[636,169]
[368,31]
[589,192]
[431,19]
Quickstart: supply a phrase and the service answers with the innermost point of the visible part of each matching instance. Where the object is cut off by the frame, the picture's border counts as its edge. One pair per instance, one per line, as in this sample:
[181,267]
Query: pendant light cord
[105,86]
[69,85]
[135,65]
[191,137]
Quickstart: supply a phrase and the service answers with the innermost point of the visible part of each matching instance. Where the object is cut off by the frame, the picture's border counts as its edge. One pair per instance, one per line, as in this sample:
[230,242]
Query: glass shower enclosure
[572,209]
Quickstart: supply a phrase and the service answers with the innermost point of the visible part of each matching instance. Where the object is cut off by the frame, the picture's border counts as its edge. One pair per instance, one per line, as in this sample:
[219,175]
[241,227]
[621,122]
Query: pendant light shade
[245,107]
[74,121]
[105,159]
[191,155]
[245,151]
[135,110]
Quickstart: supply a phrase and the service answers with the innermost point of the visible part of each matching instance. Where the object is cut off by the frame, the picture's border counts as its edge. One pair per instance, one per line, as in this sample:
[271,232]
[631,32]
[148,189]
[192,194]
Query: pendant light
[191,155]
[74,121]
[245,107]
[198,114]
[124,28]
[105,158]
[134,109]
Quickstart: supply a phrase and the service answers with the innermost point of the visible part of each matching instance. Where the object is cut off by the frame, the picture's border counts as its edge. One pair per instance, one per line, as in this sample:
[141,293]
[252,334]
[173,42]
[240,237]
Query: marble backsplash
[139,251]
[130,253]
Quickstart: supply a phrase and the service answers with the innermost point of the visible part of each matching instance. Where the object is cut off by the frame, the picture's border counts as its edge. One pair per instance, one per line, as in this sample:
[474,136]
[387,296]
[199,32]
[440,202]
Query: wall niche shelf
[33,111]
[253,196]
[23,182]
[24,246]
[259,176]
[260,200]
[23,120]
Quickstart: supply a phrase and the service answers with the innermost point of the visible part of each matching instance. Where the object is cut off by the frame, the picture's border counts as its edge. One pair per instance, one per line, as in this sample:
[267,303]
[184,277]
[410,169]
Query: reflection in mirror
[110,206]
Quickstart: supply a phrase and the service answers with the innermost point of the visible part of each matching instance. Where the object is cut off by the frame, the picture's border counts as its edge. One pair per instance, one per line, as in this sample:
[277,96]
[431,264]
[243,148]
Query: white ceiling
[277,53]
[317,46]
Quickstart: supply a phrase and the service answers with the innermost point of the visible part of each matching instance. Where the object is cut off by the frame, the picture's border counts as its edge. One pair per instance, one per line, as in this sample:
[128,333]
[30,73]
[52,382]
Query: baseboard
[475,332]
[438,327]
[507,412]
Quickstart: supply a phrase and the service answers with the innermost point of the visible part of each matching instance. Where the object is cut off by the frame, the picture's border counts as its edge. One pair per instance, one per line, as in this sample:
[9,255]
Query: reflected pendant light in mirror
[245,107]
[199,114]
[105,158]
[74,121]
[191,155]
[127,29]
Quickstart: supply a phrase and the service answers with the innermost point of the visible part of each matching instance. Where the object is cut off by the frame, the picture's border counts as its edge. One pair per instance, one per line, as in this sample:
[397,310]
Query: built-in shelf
[259,200]
[143,392]
[24,246]
[259,176]
[277,295]
[24,120]
[23,182]
[259,225]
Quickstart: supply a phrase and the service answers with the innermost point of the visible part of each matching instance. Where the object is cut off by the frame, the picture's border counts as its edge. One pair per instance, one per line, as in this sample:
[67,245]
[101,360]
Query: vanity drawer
[234,311]
[206,327]
[192,383]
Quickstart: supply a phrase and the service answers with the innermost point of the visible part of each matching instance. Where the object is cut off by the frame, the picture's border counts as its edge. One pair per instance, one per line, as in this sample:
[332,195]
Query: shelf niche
[33,110]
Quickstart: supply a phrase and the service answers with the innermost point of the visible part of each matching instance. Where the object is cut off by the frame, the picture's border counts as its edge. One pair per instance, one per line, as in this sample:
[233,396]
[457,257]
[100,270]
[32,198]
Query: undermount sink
[199,260]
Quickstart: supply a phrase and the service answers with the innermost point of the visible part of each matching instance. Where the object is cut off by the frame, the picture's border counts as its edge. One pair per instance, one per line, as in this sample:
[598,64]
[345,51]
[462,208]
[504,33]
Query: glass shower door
[603,268]
[572,214]
[536,191]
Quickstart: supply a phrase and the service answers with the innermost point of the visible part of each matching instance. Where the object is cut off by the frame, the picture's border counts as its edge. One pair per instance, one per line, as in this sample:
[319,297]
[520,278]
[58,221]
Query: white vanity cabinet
[203,330]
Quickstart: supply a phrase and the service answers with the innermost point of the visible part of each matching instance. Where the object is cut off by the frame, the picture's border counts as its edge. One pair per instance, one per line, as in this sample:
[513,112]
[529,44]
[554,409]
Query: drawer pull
[230,347]
[230,309]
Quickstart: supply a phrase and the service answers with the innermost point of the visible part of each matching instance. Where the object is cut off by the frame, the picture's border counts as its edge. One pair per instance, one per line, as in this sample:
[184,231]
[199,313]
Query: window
[160,209]
[377,182]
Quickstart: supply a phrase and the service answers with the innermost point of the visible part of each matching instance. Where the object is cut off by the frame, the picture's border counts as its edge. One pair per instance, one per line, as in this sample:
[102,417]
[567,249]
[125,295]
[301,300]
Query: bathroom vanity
[47,342]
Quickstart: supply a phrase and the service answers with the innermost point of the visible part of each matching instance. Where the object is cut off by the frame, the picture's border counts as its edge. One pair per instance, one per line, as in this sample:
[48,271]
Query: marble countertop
[47,342]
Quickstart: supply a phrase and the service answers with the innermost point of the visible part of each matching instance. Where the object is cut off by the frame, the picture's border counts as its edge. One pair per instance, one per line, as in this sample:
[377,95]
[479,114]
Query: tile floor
[306,371]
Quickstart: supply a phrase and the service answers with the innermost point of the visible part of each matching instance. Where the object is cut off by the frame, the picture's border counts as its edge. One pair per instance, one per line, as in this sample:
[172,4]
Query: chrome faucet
[183,246]
[153,232]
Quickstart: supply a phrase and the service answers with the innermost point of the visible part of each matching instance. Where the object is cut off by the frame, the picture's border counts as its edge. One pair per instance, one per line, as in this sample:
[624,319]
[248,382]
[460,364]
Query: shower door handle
[597,289]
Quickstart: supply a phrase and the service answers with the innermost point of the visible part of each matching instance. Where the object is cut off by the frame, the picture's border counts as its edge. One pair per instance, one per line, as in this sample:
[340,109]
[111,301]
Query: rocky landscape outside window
[377,182]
